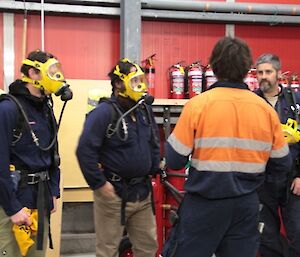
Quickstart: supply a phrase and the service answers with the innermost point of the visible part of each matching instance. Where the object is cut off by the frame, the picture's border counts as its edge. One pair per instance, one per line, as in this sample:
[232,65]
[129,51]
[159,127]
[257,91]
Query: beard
[266,86]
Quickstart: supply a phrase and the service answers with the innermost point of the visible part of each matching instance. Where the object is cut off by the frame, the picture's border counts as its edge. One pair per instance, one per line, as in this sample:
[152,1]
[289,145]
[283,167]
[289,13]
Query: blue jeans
[226,227]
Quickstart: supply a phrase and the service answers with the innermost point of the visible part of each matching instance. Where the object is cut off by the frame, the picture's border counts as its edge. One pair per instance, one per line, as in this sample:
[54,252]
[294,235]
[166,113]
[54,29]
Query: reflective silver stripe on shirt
[281,152]
[231,142]
[178,146]
[222,166]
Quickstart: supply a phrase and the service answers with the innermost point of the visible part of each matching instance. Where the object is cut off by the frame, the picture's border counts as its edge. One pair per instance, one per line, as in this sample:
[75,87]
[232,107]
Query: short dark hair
[36,55]
[124,66]
[231,59]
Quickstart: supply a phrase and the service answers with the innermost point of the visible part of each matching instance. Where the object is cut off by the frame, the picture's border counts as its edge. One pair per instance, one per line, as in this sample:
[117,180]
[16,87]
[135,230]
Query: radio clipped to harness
[15,176]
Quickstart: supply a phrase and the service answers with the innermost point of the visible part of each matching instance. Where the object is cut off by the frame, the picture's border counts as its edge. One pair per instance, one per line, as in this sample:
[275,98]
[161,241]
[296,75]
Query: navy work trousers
[272,244]
[227,227]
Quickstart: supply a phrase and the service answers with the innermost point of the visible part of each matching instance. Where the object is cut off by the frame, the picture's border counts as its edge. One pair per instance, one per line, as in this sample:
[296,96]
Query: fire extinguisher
[251,79]
[194,75]
[150,73]
[210,77]
[176,73]
[294,82]
[284,79]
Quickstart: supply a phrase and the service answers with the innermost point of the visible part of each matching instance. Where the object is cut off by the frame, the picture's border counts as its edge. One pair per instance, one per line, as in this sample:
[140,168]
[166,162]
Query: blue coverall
[271,242]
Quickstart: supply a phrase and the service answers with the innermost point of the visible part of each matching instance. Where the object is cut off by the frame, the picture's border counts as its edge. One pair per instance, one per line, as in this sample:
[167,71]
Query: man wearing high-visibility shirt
[234,139]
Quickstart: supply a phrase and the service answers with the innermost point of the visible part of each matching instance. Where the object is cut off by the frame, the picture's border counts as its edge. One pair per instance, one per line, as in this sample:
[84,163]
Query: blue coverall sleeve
[8,117]
[174,160]
[90,143]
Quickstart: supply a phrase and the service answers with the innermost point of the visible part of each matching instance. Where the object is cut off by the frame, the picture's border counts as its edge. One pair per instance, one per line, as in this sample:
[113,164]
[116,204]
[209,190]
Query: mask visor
[138,83]
[54,72]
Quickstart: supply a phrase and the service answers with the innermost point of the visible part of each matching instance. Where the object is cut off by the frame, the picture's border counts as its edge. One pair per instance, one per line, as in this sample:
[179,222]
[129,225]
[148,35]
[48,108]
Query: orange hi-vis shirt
[231,135]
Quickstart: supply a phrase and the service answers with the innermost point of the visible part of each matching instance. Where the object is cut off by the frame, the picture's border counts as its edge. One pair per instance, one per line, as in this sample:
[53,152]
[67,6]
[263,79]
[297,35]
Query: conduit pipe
[278,14]
[226,7]
[230,18]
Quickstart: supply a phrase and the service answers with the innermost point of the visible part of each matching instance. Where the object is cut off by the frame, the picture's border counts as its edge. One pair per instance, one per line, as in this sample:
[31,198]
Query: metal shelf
[167,112]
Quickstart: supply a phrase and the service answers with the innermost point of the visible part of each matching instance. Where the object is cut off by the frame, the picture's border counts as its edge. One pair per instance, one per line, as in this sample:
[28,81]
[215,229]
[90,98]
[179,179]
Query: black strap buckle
[114,177]
[34,178]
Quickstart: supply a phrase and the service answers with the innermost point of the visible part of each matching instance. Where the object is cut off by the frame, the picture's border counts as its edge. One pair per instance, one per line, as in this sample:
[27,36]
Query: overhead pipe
[222,7]
[10,6]
[230,18]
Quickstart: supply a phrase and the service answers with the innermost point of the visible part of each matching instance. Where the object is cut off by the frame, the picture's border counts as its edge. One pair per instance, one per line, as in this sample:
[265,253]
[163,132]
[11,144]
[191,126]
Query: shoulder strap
[115,114]
[290,98]
[21,121]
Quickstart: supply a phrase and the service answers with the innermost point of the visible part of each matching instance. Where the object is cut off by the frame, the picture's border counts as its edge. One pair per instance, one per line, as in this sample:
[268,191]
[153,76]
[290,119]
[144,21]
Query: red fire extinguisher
[284,79]
[210,77]
[176,73]
[294,82]
[194,74]
[150,73]
[251,80]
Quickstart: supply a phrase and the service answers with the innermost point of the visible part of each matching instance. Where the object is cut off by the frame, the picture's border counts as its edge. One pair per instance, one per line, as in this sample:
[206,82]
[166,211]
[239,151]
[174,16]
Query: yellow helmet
[291,132]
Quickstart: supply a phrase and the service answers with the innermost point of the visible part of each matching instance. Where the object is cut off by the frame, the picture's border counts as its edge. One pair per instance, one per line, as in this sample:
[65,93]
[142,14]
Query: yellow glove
[23,233]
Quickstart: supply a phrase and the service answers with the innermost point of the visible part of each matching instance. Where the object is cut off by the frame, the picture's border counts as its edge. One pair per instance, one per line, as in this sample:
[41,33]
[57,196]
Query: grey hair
[269,58]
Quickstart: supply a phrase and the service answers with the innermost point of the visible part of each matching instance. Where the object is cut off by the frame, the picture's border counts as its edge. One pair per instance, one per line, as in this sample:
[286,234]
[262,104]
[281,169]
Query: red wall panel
[174,42]
[1,51]
[86,47]
[280,40]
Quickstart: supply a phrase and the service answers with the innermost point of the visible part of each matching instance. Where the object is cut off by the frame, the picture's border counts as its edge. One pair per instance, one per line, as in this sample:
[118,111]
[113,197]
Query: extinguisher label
[197,85]
[197,73]
[178,85]
[150,80]
[210,81]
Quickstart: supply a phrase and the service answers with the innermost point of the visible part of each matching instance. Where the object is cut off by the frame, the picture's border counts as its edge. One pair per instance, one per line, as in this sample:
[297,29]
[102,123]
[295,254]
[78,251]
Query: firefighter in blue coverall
[29,171]
[286,104]
[234,139]
[116,155]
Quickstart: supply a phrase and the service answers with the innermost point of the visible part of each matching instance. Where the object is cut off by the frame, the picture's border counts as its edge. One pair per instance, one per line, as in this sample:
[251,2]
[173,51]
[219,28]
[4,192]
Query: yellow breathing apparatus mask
[291,132]
[52,80]
[135,82]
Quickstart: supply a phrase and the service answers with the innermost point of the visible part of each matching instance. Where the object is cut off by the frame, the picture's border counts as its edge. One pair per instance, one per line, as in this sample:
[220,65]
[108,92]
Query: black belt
[113,177]
[33,178]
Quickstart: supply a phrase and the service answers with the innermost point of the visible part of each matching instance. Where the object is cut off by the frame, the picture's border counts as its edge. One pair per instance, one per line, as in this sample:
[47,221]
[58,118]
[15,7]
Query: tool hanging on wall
[24,36]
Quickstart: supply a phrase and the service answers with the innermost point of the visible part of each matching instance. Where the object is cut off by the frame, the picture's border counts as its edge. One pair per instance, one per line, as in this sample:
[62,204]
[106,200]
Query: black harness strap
[290,98]
[43,206]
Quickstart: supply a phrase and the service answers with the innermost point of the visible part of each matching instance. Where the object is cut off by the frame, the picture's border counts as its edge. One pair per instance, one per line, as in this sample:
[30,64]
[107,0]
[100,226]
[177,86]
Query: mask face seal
[52,78]
[135,82]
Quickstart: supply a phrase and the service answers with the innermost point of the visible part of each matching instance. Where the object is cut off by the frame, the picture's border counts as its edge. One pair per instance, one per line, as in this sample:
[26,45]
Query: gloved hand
[23,232]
